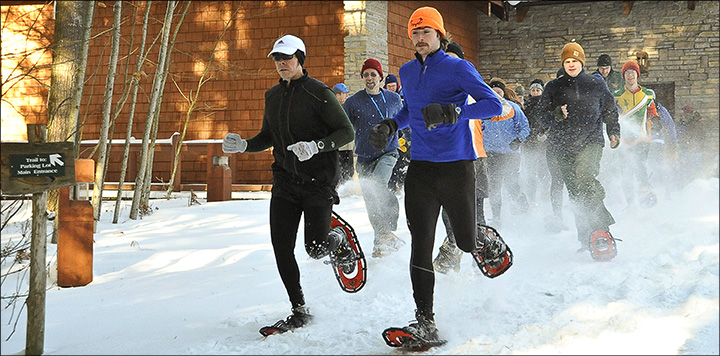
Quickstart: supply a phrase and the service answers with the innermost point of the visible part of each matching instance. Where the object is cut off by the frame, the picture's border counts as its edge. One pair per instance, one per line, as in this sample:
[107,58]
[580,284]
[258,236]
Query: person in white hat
[305,124]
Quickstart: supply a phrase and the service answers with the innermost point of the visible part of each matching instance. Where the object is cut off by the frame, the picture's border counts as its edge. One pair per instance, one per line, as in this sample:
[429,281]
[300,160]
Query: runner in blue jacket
[441,171]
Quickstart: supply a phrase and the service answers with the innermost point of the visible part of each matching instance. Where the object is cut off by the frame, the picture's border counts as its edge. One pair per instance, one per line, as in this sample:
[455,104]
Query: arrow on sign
[55,158]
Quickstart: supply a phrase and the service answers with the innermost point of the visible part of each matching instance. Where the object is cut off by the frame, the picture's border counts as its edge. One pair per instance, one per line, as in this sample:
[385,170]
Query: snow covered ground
[201,279]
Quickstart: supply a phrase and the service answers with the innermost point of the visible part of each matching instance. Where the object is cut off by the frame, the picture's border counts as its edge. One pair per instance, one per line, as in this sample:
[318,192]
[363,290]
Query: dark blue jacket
[589,105]
[365,112]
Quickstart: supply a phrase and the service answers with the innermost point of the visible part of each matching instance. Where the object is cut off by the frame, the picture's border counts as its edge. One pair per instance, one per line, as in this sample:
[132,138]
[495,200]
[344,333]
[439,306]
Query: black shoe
[300,317]
[344,255]
[492,250]
[424,327]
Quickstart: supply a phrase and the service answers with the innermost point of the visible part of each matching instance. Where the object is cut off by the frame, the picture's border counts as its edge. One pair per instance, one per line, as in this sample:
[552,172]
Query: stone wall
[682,44]
[366,37]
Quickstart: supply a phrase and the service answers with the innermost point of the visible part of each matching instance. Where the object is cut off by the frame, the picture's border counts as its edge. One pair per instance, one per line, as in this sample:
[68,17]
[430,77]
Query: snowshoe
[418,336]
[494,256]
[350,267]
[602,245]
[407,339]
[298,318]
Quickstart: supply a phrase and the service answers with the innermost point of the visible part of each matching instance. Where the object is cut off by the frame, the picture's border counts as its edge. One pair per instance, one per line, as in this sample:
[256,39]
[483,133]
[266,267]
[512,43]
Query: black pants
[347,165]
[289,200]
[428,187]
[579,172]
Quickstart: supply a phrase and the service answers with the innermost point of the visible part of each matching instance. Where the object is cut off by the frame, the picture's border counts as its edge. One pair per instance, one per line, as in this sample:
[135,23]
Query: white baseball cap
[288,44]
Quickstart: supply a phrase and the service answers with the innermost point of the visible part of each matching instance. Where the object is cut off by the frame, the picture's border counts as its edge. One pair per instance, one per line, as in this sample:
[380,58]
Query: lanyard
[376,105]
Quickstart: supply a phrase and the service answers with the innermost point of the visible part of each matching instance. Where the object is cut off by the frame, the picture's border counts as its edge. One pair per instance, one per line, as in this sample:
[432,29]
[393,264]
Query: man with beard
[367,108]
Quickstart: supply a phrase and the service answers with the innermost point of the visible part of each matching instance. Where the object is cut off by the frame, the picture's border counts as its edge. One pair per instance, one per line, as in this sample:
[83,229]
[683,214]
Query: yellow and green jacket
[636,109]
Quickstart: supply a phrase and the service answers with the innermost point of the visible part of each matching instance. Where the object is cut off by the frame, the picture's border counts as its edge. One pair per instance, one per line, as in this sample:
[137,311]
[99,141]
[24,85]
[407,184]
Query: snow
[201,279]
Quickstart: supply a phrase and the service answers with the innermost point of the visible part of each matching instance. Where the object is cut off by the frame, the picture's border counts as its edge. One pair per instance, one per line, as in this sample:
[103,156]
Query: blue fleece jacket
[497,135]
[444,80]
[365,111]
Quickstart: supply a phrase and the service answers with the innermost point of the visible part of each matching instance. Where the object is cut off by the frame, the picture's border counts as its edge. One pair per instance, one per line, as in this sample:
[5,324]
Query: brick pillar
[219,174]
[366,26]
[75,232]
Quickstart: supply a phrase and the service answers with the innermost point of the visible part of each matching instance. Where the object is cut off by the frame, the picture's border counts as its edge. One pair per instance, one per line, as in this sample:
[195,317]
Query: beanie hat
[519,89]
[604,60]
[391,78]
[497,83]
[426,17]
[453,47]
[573,50]
[537,83]
[631,65]
[374,64]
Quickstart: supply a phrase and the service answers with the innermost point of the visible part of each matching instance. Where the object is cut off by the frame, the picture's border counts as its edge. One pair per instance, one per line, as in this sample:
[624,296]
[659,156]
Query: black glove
[515,144]
[380,134]
[435,114]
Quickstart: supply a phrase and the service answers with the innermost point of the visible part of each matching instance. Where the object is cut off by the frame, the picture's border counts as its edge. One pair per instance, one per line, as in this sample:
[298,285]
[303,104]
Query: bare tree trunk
[70,48]
[107,107]
[35,333]
[154,98]
[171,46]
[192,101]
[136,76]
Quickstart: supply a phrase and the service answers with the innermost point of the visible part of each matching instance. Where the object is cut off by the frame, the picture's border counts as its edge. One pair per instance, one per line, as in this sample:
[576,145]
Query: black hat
[604,60]
[455,48]
[497,84]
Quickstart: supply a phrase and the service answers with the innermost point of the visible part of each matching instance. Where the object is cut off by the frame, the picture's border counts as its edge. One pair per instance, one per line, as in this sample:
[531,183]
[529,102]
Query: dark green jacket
[614,80]
[304,110]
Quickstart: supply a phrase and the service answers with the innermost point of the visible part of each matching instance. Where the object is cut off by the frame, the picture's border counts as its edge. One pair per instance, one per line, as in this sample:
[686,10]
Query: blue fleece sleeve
[486,103]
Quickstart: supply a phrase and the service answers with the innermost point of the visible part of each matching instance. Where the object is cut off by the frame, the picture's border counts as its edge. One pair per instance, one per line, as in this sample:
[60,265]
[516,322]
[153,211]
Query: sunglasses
[282,57]
[368,74]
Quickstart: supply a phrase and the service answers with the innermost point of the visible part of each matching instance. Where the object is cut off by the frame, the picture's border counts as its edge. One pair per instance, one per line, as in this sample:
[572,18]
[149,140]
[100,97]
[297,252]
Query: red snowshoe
[602,246]
[494,257]
[351,278]
[406,340]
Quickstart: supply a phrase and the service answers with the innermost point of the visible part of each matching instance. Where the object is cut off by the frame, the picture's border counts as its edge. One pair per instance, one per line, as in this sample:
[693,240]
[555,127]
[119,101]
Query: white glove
[233,143]
[304,150]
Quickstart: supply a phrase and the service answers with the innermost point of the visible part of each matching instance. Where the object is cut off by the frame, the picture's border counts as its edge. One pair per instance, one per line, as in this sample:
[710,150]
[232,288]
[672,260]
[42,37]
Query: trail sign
[29,168]
[37,165]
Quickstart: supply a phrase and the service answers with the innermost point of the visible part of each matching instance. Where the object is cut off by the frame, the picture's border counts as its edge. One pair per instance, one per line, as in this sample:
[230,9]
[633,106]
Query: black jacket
[305,110]
[590,104]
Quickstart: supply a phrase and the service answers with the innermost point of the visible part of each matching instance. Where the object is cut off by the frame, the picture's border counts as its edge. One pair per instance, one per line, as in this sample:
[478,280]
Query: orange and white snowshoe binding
[351,270]
[493,257]
[602,246]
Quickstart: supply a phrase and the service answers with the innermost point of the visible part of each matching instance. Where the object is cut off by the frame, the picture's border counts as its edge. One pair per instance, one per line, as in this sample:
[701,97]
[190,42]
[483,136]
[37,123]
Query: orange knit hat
[573,50]
[426,17]
[631,65]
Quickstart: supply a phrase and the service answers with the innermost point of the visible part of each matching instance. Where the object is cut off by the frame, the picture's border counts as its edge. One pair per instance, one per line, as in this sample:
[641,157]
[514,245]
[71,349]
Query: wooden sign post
[34,168]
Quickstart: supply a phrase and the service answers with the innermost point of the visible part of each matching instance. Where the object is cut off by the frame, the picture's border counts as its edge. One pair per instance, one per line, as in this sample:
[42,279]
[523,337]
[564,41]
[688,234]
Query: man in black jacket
[575,107]
[305,124]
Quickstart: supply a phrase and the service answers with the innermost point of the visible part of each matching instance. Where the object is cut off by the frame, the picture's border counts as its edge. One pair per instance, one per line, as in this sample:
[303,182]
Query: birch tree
[156,123]
[153,107]
[107,108]
[137,75]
